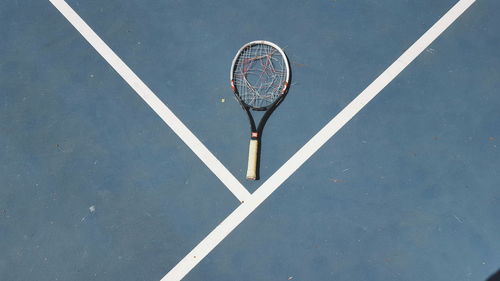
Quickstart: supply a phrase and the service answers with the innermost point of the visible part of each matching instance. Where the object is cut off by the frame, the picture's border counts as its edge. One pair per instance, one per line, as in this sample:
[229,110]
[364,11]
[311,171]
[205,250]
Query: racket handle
[252,160]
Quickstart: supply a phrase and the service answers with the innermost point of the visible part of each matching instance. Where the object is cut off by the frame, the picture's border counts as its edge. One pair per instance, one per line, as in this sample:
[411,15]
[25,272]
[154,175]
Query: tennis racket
[260,76]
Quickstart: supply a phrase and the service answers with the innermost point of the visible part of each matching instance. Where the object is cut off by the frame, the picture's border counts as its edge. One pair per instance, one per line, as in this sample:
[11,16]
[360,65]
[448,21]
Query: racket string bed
[259,75]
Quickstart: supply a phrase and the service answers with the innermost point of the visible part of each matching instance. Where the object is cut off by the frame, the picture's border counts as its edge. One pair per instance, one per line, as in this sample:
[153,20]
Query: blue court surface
[95,184]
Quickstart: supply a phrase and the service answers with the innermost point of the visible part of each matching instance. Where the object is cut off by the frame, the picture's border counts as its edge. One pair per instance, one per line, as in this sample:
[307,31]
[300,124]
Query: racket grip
[252,160]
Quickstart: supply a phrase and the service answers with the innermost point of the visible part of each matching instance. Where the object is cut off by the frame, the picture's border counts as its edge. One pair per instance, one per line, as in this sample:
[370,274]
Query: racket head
[260,75]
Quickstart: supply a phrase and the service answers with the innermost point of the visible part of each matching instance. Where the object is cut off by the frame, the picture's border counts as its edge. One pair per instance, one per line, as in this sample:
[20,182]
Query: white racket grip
[252,160]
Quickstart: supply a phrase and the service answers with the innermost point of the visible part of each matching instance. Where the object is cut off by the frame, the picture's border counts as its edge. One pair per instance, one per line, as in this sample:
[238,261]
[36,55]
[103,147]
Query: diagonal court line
[266,189]
[153,101]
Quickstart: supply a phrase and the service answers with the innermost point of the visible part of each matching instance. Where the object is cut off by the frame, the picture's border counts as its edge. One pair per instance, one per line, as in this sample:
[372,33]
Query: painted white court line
[153,101]
[245,209]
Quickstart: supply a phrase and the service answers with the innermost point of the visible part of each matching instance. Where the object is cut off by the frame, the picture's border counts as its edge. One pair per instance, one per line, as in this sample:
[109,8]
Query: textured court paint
[365,207]
[408,190]
[153,101]
[74,135]
[240,214]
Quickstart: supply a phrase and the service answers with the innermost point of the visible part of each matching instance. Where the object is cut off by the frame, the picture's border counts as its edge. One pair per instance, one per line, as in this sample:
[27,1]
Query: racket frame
[256,131]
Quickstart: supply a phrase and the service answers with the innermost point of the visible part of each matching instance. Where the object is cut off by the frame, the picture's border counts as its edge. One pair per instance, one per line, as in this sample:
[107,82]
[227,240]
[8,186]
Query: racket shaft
[252,160]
